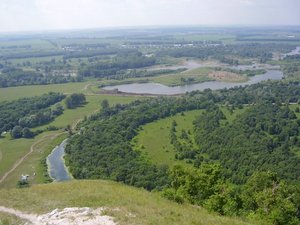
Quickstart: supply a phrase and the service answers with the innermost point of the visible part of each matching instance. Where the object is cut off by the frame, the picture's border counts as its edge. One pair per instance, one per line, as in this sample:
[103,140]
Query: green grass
[12,150]
[128,205]
[92,106]
[198,75]
[12,93]
[7,219]
[154,138]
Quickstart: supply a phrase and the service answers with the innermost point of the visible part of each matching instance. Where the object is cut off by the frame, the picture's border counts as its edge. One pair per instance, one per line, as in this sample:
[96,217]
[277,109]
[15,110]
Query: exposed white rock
[66,216]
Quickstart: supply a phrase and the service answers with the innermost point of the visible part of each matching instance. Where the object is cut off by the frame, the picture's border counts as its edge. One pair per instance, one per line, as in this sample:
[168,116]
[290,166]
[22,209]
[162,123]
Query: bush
[22,184]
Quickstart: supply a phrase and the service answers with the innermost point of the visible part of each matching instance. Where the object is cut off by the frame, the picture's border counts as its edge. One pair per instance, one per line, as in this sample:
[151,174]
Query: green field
[126,204]
[12,93]
[154,138]
[31,164]
[197,75]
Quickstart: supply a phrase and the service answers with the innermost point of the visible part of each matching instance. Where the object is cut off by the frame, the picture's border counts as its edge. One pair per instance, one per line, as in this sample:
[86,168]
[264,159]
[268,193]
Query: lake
[56,164]
[160,89]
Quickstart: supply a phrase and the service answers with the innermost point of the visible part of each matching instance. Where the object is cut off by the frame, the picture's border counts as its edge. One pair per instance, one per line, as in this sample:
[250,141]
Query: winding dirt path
[17,163]
[32,147]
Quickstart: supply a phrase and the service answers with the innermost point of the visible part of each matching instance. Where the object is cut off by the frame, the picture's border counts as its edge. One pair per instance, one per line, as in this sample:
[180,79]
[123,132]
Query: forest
[103,150]
[24,113]
[120,62]
[261,138]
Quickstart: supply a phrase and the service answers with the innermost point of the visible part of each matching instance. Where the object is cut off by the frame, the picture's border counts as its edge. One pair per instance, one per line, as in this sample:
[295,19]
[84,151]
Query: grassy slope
[6,219]
[126,204]
[154,138]
[12,150]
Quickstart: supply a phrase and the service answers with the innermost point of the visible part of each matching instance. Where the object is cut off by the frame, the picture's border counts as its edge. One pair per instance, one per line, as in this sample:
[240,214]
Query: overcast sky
[22,15]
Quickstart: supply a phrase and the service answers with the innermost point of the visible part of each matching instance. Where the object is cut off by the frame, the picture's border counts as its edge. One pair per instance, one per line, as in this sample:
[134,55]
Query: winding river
[160,89]
[56,164]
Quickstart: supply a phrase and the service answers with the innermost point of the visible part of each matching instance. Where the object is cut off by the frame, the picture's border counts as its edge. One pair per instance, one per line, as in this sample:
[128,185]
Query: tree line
[120,62]
[23,113]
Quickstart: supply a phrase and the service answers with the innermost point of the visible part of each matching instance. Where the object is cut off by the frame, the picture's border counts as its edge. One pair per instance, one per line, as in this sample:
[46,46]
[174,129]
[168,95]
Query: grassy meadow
[7,219]
[13,93]
[128,205]
[154,138]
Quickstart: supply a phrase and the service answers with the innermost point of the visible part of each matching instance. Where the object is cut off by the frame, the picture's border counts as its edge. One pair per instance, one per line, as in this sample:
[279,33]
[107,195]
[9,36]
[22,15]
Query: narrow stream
[56,164]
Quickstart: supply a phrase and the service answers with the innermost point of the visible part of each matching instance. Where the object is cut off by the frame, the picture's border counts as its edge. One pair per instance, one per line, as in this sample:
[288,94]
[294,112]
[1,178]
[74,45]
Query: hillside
[127,205]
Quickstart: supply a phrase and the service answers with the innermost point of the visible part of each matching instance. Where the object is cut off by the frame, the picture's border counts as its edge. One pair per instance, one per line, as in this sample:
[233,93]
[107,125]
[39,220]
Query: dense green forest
[253,147]
[25,113]
[261,139]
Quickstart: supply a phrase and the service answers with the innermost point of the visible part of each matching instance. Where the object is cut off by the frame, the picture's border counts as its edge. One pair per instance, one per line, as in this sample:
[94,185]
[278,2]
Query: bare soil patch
[226,76]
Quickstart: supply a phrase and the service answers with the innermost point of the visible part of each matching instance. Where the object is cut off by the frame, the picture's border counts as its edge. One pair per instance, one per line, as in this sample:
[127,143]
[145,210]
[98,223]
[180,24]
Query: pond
[56,164]
[159,89]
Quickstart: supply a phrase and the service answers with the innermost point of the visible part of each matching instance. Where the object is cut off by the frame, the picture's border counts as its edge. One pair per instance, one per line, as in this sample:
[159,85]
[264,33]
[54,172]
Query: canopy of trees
[120,62]
[29,112]
[257,141]
[75,100]
[260,139]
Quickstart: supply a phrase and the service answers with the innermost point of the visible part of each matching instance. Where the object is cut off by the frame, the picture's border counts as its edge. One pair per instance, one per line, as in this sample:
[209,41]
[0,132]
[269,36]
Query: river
[160,89]
[56,164]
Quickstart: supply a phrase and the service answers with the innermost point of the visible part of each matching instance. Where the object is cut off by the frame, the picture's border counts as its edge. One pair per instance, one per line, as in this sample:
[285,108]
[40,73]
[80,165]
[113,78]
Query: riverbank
[160,89]
[57,168]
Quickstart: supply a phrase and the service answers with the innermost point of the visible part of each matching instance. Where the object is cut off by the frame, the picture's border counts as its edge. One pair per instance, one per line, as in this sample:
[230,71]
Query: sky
[34,15]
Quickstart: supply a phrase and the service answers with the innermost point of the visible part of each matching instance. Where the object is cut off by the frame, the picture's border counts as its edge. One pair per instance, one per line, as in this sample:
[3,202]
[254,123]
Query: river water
[159,89]
[56,164]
